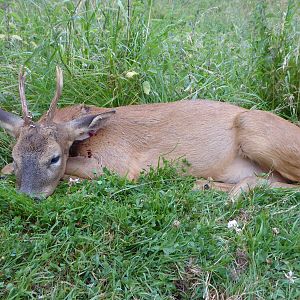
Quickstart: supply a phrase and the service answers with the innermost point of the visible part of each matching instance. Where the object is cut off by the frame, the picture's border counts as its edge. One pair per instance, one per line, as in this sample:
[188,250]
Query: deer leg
[83,167]
[203,184]
[244,186]
[284,185]
[8,169]
[249,183]
[269,141]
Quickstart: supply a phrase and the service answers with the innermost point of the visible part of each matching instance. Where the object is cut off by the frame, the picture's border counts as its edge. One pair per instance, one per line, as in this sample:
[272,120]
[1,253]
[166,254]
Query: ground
[155,238]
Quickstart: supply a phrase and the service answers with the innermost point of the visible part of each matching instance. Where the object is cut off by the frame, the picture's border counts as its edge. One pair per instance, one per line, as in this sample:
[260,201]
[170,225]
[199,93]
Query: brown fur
[137,136]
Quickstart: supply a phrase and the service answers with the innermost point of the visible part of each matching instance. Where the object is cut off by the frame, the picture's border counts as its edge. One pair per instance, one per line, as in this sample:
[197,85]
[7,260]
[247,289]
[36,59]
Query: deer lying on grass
[221,141]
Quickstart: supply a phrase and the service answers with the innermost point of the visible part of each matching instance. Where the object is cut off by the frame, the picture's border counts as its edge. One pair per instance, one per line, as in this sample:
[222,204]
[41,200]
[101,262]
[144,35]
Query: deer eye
[54,160]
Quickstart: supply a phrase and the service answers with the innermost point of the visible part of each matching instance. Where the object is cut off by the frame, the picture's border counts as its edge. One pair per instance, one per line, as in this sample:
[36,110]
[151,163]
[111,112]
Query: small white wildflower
[176,223]
[275,230]
[232,224]
[74,181]
[290,276]
[131,74]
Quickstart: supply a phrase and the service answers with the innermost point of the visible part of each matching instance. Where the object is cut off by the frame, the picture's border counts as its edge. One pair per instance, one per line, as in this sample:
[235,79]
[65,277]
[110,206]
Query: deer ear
[10,122]
[84,127]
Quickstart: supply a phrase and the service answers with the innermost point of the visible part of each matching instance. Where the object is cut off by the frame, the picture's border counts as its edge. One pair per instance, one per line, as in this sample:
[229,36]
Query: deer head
[42,148]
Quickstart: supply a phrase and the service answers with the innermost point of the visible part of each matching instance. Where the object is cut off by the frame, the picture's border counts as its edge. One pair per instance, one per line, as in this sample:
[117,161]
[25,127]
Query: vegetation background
[155,238]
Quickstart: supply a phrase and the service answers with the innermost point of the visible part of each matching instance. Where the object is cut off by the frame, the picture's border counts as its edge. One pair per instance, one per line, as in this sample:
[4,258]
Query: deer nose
[30,193]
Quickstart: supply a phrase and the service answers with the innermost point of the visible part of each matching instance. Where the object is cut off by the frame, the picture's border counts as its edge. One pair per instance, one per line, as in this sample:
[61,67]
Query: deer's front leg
[83,167]
[8,170]
[90,168]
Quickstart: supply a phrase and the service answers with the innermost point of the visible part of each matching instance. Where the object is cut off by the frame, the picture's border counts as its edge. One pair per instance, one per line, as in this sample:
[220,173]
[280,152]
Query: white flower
[290,276]
[73,180]
[275,230]
[232,224]
[176,223]
[131,74]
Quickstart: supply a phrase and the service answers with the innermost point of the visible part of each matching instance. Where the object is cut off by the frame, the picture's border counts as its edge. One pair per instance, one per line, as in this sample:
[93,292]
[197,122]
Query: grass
[156,238]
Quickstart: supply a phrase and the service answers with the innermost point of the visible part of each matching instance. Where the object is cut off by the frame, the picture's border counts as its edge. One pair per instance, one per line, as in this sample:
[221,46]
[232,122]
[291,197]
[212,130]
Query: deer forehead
[38,140]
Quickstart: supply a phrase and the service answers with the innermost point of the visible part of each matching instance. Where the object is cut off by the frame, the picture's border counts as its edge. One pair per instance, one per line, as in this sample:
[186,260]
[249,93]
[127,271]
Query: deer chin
[37,196]
[38,193]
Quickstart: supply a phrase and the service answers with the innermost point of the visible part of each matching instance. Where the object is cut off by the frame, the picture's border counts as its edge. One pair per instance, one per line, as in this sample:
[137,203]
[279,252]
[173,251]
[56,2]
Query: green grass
[156,238]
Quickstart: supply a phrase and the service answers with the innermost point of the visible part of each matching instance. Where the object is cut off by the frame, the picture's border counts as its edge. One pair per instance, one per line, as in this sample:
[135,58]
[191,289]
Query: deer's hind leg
[249,183]
[243,187]
[206,184]
[273,144]
[270,141]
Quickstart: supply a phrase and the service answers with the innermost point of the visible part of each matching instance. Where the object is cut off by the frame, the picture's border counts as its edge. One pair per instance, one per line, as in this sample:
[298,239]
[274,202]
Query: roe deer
[226,143]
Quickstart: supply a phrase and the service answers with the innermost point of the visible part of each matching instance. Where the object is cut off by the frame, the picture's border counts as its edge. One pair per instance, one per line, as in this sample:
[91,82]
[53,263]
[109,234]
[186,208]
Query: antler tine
[25,112]
[59,86]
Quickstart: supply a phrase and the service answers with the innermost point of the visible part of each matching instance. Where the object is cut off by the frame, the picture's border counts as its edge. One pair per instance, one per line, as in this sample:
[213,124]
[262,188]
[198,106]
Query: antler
[25,112]
[59,86]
